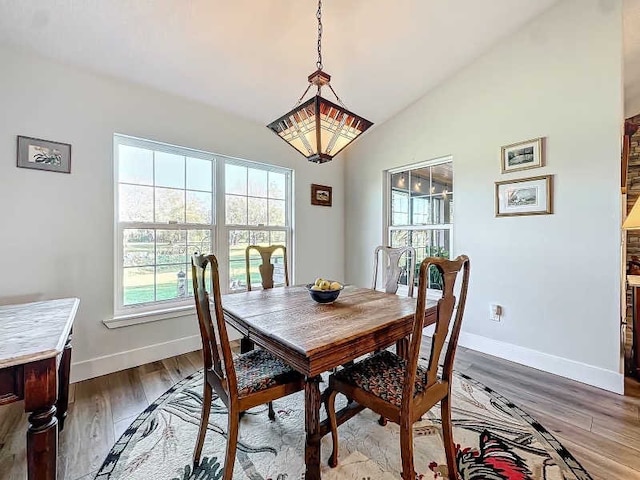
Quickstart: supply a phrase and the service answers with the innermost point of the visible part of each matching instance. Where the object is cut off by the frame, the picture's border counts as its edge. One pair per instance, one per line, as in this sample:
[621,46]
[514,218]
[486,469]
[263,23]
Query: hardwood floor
[602,430]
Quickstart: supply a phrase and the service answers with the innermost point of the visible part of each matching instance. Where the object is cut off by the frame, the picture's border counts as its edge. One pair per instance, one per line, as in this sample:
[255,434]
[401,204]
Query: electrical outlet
[495,312]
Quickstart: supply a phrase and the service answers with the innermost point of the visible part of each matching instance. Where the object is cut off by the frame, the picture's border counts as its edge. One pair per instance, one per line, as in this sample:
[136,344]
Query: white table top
[35,331]
[633,280]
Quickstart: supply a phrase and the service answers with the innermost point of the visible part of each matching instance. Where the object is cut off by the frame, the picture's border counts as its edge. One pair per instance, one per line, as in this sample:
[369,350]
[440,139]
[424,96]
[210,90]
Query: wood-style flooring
[601,429]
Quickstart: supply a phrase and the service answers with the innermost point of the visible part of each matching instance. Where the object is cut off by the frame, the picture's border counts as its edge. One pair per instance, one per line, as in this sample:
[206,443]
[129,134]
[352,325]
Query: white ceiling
[252,57]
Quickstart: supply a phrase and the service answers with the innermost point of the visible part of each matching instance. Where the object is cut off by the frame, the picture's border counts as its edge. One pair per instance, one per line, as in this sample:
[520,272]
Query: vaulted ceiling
[252,57]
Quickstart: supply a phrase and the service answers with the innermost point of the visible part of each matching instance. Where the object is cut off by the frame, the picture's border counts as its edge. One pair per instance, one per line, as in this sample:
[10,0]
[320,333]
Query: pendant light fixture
[318,128]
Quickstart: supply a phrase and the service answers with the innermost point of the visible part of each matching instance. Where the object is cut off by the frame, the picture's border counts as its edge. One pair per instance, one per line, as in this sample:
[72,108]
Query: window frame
[387,225]
[160,309]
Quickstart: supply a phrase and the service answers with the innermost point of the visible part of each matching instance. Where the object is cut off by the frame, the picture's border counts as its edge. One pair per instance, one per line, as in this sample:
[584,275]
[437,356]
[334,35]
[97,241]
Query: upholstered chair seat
[382,375]
[259,370]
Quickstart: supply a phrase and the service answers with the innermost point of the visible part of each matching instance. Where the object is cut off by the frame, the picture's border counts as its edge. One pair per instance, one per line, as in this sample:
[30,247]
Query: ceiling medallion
[318,128]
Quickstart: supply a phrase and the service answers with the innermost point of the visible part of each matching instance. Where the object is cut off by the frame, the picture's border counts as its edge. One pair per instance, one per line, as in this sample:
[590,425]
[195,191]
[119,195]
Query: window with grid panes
[165,211]
[421,212]
[257,212]
[167,208]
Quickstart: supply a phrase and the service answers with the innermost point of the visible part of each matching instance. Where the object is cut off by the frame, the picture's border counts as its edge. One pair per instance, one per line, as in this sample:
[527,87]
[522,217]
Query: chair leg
[406,447]
[232,443]
[272,413]
[246,345]
[447,437]
[382,420]
[204,422]
[330,406]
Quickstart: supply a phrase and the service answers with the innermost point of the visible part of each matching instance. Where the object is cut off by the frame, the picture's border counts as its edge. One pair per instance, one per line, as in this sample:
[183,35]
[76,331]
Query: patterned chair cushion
[258,369]
[382,375]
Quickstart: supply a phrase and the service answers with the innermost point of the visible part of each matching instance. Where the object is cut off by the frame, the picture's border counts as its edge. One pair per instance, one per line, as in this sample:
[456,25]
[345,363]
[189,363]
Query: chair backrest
[449,270]
[222,367]
[266,268]
[393,268]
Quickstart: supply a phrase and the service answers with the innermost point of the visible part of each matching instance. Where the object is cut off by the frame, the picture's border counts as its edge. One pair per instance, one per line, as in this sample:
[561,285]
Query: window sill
[126,320]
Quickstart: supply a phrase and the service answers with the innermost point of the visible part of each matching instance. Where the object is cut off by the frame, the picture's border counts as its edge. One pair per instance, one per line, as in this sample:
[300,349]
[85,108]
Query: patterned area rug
[497,441]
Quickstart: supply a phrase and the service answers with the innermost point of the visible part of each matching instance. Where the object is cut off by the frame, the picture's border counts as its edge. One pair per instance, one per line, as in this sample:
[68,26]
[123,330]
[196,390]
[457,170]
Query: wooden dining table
[315,338]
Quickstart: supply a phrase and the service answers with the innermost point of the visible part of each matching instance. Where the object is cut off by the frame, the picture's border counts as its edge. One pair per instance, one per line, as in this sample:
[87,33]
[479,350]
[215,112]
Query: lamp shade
[632,222]
[319,129]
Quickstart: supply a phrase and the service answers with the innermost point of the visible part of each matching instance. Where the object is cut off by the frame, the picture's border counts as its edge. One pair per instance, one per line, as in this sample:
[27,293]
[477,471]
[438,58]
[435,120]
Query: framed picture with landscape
[321,195]
[44,155]
[522,155]
[525,196]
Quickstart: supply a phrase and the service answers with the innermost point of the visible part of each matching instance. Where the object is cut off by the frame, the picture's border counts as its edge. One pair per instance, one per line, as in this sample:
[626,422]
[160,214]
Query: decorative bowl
[324,296]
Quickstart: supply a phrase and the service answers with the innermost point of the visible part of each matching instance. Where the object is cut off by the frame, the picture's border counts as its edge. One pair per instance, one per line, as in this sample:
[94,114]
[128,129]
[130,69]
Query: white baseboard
[98,366]
[582,372]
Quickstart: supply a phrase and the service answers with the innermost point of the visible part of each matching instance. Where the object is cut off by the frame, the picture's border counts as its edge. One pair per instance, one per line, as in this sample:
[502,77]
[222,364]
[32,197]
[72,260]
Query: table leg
[42,436]
[312,426]
[42,444]
[402,347]
[63,384]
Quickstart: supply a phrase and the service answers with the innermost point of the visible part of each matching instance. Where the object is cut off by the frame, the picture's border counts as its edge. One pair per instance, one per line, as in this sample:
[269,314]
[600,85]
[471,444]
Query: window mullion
[155,263]
[184,214]
[288,236]
[270,228]
[155,233]
[222,231]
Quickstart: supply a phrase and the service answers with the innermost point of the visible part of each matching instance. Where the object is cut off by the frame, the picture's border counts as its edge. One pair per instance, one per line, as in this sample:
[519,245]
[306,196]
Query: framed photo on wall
[522,155]
[525,196]
[321,195]
[44,155]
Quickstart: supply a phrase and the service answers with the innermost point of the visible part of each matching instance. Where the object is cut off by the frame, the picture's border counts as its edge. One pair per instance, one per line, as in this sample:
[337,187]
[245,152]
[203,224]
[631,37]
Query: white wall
[557,276]
[58,230]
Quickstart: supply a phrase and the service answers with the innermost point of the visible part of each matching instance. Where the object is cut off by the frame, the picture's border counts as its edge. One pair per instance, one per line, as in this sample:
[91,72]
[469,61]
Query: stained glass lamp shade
[319,129]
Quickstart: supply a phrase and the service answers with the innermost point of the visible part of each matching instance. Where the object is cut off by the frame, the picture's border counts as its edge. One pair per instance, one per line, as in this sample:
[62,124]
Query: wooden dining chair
[243,382]
[266,268]
[392,257]
[398,388]
[393,267]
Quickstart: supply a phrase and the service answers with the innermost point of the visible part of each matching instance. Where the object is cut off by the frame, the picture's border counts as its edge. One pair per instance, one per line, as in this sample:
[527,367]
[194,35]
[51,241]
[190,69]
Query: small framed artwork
[522,155]
[44,155]
[525,196]
[321,195]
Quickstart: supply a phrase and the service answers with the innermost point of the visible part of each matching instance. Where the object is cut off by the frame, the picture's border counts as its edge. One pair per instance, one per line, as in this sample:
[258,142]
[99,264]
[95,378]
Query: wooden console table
[35,357]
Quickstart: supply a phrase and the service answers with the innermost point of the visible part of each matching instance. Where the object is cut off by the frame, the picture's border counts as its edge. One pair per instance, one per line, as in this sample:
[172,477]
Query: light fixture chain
[319,17]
